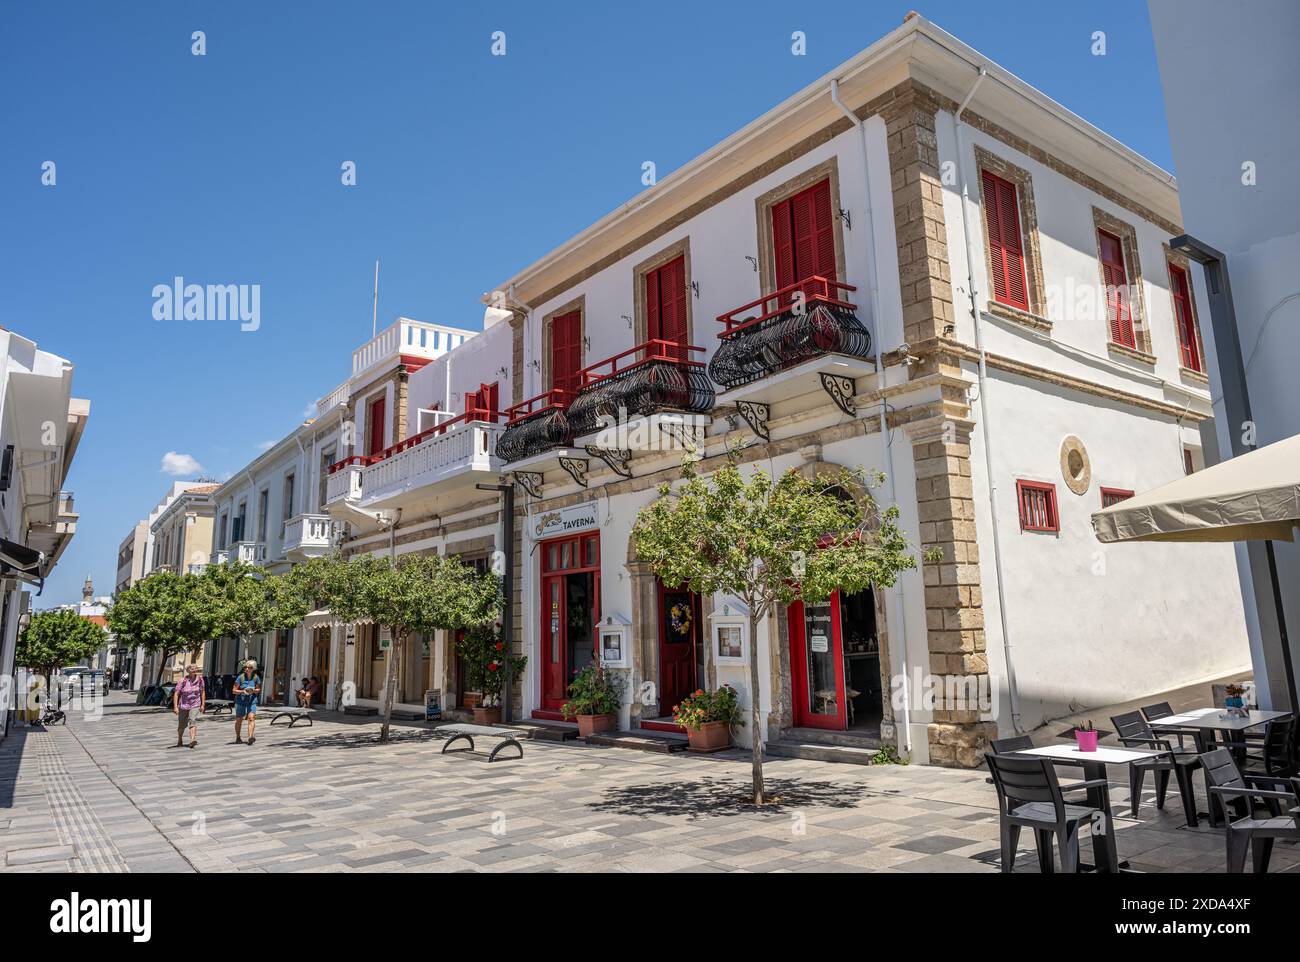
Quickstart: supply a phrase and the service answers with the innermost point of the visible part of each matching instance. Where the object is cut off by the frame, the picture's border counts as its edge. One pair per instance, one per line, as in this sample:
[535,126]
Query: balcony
[774,348]
[308,536]
[535,426]
[649,379]
[453,454]
[344,481]
[241,552]
[414,343]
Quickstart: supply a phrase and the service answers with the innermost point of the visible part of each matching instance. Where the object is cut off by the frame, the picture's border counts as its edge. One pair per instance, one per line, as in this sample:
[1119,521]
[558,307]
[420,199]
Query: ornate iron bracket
[577,469]
[530,481]
[689,436]
[616,459]
[841,390]
[756,415]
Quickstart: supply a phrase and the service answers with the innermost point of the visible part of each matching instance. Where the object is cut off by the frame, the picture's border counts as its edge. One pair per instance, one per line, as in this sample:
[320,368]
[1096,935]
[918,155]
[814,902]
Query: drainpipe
[1013,690]
[899,658]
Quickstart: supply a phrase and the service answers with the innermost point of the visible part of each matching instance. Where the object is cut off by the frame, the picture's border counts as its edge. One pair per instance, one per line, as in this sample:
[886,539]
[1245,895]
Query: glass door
[817,664]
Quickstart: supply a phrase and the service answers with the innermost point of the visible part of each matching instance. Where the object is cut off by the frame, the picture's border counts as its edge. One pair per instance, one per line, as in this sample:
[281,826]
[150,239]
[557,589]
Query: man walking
[247,686]
[188,702]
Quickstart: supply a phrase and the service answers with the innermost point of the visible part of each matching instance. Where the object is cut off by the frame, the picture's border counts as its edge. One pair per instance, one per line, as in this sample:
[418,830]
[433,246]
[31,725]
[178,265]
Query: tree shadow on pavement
[726,796]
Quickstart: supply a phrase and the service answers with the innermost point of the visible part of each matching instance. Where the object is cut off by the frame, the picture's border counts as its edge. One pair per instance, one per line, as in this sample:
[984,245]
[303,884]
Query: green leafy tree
[247,601]
[54,639]
[770,543]
[415,594]
[317,581]
[165,613]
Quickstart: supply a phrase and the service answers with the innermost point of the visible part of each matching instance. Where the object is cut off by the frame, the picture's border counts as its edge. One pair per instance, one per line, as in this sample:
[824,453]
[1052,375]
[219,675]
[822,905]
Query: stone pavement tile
[47,853]
[933,844]
[944,863]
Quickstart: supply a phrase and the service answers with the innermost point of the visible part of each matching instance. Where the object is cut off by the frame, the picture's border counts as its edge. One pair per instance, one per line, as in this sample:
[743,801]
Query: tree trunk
[390,681]
[756,732]
[336,670]
[163,655]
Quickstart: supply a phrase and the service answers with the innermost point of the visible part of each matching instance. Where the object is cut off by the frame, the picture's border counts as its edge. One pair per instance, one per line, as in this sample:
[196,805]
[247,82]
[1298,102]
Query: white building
[995,322]
[1234,159]
[41,424]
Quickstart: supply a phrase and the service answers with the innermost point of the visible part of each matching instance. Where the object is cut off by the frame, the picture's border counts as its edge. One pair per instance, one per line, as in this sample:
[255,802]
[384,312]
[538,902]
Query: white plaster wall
[1095,624]
[446,380]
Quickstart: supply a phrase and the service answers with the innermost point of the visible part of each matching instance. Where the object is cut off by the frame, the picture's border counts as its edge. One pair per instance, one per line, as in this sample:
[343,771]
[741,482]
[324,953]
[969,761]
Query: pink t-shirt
[189,692]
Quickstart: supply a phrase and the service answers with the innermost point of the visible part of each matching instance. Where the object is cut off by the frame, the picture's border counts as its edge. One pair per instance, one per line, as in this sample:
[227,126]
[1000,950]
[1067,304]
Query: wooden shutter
[1184,319]
[566,351]
[812,230]
[1115,277]
[1006,252]
[665,307]
[378,408]
[783,244]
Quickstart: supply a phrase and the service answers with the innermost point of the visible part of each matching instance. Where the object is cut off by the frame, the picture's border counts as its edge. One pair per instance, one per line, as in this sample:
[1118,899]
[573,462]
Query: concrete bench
[462,732]
[294,715]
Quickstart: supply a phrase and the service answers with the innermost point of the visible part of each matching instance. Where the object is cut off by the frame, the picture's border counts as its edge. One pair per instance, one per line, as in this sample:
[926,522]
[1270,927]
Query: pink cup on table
[1087,740]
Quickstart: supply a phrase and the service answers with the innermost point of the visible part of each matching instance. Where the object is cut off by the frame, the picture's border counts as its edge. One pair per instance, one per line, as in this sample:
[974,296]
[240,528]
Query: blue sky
[225,169]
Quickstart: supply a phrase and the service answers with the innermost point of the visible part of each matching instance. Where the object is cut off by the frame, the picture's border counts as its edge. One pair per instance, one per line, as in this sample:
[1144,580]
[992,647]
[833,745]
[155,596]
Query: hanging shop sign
[570,520]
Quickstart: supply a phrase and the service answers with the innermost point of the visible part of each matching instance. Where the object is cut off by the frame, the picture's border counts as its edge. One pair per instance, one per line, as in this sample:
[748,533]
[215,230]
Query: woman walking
[188,702]
[247,686]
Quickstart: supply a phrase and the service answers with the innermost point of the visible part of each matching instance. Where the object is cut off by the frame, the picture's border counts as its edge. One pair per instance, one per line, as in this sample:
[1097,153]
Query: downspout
[899,656]
[1013,690]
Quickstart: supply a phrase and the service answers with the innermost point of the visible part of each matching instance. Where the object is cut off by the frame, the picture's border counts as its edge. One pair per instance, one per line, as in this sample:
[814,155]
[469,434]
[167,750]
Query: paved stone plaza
[113,795]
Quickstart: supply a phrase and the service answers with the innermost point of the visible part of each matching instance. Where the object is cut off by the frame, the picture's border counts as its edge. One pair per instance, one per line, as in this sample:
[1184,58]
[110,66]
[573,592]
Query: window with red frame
[1037,506]
[665,302]
[1119,313]
[1189,466]
[1184,319]
[1006,252]
[1113,496]
[378,409]
[803,236]
[566,351]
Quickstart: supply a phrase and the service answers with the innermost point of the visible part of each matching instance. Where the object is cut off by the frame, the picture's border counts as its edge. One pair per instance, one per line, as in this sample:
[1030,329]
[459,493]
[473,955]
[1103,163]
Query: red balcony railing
[535,425]
[784,333]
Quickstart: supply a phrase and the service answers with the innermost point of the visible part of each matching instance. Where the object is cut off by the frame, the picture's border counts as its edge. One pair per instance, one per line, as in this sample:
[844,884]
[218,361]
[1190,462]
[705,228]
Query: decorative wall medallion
[1075,466]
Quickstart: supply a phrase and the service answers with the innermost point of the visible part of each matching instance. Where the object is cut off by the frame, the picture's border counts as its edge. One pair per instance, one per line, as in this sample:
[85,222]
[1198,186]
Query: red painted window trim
[1037,514]
[1006,248]
[1184,318]
[1119,312]
[1113,496]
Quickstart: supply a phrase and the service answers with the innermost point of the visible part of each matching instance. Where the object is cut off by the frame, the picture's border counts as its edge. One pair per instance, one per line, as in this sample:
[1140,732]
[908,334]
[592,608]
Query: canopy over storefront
[1249,498]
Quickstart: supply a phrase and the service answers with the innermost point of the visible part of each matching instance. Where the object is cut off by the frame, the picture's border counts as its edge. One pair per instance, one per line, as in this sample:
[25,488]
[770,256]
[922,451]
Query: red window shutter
[1184,319]
[566,351]
[1115,277]
[378,408]
[1006,252]
[653,322]
[491,398]
[783,244]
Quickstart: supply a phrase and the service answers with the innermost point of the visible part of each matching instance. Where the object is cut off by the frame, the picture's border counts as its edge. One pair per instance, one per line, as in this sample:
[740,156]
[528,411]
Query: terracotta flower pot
[487,716]
[712,737]
[591,724]
[471,699]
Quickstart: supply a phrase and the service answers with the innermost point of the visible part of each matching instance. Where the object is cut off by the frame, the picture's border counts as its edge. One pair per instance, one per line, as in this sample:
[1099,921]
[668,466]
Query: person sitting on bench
[308,692]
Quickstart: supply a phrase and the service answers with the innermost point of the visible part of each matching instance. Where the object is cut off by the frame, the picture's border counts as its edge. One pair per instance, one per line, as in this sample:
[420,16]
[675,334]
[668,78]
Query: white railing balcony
[332,400]
[308,536]
[241,552]
[344,481]
[450,452]
[409,338]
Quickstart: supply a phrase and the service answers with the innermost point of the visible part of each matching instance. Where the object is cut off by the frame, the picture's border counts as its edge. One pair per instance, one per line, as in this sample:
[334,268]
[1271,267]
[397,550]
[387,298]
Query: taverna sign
[570,520]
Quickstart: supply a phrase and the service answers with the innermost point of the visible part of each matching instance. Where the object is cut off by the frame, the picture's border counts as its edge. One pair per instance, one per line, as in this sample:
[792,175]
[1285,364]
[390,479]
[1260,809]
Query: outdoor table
[1202,723]
[1094,767]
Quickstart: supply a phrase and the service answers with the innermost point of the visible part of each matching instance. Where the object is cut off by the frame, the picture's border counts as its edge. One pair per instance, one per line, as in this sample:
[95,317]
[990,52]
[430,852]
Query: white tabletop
[1216,718]
[1104,754]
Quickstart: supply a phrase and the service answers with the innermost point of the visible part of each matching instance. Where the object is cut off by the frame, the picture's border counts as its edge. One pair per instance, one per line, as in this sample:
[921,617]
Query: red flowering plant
[719,705]
[484,652]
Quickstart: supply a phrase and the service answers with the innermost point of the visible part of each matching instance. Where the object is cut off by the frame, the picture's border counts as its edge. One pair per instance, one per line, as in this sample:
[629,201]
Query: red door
[817,665]
[679,641]
[554,643]
[566,351]
[377,411]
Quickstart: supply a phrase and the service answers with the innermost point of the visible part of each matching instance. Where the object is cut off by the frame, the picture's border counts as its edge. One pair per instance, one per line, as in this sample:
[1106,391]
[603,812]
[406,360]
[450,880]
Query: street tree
[248,601]
[769,543]
[166,614]
[54,639]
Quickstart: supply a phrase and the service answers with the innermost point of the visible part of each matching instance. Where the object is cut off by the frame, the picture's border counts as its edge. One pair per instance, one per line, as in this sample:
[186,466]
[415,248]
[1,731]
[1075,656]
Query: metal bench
[459,732]
[215,706]
[294,715]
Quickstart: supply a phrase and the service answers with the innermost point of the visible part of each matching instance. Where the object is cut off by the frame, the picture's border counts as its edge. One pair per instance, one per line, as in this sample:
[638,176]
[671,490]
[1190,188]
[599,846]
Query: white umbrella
[1253,497]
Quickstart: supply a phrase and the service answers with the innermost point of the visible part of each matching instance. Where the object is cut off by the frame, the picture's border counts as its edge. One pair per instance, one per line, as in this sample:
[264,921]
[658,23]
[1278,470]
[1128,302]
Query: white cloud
[179,464]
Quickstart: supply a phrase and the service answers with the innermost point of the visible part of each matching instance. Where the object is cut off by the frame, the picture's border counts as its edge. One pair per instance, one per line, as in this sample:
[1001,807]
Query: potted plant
[1086,736]
[707,717]
[484,653]
[594,699]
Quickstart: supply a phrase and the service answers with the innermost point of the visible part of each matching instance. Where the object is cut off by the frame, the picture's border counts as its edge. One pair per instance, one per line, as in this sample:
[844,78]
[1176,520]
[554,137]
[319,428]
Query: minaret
[88,592]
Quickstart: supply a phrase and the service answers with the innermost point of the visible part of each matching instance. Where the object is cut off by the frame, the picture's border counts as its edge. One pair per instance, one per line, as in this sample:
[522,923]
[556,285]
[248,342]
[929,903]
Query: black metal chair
[1018,743]
[1275,754]
[1133,731]
[1029,796]
[1240,793]
[1158,710]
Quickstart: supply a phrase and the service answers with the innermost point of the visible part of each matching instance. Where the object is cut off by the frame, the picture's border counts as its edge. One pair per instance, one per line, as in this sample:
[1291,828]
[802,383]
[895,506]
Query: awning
[1253,497]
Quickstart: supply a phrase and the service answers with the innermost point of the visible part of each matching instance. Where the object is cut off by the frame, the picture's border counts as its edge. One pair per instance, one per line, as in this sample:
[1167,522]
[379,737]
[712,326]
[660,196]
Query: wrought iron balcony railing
[787,331]
[534,426]
[651,377]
